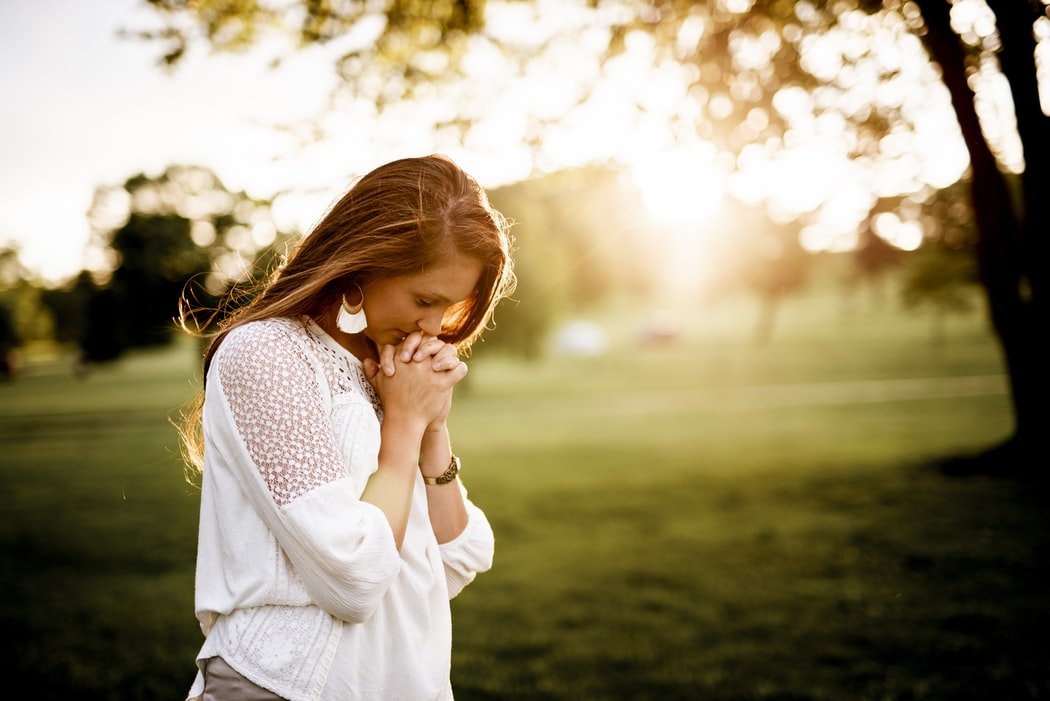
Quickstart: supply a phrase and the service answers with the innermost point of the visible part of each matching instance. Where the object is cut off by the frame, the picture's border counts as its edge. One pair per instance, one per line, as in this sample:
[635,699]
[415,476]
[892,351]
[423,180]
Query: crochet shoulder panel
[274,374]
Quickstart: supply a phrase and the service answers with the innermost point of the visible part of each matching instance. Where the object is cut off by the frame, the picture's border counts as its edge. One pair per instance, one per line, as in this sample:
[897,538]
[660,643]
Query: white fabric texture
[299,585]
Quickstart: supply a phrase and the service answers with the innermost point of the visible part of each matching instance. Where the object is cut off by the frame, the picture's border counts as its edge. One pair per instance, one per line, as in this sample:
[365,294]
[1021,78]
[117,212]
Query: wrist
[436,426]
[450,473]
[403,436]
[404,424]
[435,450]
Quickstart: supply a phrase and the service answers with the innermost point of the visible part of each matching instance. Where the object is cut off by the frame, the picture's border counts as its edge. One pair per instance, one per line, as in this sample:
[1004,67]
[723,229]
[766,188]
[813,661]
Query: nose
[431,323]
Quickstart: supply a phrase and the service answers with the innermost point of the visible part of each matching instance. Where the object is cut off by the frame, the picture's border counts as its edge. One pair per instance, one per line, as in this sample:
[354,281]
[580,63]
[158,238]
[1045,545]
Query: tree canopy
[758,79]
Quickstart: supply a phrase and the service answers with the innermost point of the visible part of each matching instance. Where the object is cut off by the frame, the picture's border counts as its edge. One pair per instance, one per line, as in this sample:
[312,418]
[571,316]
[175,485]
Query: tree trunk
[1015,20]
[1001,244]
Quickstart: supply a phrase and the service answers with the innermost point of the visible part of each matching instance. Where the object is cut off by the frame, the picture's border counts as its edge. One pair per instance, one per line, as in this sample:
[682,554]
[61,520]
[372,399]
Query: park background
[760,421]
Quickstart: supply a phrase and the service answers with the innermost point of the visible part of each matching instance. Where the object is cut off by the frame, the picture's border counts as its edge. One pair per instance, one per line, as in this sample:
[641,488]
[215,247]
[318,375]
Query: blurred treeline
[753,77]
[583,240]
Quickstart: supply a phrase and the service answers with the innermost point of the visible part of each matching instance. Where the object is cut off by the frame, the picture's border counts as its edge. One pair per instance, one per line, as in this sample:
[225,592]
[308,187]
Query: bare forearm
[390,487]
[448,512]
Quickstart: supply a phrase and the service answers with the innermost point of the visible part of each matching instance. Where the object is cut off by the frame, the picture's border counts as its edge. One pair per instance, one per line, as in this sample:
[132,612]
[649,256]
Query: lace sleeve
[268,415]
[274,394]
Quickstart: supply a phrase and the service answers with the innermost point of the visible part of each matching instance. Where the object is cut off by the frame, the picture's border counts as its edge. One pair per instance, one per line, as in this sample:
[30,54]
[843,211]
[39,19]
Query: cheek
[391,313]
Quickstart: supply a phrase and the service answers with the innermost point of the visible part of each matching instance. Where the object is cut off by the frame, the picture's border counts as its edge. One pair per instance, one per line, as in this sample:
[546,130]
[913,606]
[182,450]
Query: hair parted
[398,219]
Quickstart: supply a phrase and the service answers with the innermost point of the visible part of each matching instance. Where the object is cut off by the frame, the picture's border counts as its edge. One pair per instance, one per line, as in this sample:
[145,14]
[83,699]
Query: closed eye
[426,303]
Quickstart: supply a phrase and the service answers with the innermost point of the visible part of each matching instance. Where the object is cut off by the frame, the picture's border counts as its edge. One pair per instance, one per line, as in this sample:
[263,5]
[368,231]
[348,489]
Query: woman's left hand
[417,347]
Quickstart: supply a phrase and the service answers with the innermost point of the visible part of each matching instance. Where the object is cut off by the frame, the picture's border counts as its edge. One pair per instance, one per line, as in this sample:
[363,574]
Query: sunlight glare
[906,234]
[681,186]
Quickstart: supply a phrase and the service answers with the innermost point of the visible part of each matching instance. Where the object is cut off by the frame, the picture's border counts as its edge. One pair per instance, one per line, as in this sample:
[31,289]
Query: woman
[334,528]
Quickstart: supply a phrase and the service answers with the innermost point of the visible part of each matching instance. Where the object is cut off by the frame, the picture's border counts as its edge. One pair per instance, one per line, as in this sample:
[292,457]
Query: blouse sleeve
[274,431]
[470,552]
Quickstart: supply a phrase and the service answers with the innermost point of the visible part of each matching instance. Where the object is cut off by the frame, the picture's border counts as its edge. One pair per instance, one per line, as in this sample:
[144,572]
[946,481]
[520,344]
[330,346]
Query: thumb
[371,369]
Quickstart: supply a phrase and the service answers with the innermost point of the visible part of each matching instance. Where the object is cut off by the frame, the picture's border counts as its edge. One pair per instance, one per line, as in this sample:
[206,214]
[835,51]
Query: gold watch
[446,476]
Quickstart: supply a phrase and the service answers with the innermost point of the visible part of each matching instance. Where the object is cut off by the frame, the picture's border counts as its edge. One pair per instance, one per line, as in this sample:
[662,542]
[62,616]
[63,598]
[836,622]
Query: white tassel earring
[352,319]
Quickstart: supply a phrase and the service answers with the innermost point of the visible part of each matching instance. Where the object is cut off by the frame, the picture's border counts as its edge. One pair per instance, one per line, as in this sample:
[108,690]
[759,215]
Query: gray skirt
[224,683]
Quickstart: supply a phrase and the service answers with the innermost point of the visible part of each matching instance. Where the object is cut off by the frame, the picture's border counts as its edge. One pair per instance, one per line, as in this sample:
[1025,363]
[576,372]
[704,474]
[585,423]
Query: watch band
[446,476]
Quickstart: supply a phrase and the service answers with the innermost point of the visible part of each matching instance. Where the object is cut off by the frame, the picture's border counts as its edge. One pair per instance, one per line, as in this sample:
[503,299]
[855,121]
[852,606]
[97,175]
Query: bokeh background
[762,420]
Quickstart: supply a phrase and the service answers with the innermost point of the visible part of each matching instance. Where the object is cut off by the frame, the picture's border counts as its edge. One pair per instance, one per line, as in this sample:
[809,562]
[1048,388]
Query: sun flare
[681,187]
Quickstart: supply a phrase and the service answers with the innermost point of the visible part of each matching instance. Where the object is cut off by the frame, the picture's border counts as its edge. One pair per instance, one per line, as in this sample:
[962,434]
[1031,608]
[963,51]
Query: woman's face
[397,306]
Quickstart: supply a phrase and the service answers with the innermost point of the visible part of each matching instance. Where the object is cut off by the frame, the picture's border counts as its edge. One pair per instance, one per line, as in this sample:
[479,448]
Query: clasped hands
[407,383]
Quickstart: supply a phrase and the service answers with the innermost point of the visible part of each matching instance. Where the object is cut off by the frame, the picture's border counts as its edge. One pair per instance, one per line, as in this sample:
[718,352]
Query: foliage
[740,63]
[26,311]
[770,259]
[749,84]
[11,269]
[873,255]
[753,86]
[9,340]
[935,279]
[580,240]
[156,258]
[21,304]
[411,42]
[181,233]
[68,307]
[9,336]
[943,272]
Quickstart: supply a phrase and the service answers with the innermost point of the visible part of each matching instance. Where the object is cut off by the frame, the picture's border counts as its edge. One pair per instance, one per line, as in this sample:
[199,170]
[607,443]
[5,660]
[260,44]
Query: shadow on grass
[1011,459]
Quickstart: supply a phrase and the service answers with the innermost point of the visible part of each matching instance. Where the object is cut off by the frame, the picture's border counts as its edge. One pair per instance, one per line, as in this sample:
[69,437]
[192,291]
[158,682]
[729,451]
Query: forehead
[453,278]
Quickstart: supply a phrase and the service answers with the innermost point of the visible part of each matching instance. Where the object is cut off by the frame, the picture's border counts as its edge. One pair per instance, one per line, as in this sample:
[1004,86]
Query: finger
[446,359]
[430,346]
[458,373]
[371,369]
[409,344]
[386,359]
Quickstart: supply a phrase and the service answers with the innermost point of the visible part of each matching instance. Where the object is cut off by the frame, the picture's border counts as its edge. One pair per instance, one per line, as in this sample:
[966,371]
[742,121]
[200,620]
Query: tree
[770,262]
[179,233]
[933,282]
[25,314]
[941,275]
[873,256]
[754,70]
[572,251]
[68,307]
[9,340]
[1011,241]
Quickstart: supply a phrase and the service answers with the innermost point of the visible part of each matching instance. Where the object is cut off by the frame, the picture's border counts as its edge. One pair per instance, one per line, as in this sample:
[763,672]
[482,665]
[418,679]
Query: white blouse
[299,585]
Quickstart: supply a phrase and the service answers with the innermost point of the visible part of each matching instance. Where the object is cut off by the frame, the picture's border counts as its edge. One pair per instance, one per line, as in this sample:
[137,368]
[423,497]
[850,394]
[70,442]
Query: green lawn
[708,520]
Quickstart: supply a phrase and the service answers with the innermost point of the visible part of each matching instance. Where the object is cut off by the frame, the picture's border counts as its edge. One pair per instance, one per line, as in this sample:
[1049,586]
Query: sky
[87,109]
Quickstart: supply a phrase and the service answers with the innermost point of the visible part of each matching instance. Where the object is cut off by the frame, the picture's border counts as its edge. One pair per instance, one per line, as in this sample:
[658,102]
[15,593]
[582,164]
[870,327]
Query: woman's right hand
[415,390]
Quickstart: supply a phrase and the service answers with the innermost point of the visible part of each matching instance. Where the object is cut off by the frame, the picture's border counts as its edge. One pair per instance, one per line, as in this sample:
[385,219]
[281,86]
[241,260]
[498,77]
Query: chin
[387,337]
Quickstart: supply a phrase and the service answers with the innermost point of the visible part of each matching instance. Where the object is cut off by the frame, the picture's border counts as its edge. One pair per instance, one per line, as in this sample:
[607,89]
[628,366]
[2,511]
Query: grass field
[705,520]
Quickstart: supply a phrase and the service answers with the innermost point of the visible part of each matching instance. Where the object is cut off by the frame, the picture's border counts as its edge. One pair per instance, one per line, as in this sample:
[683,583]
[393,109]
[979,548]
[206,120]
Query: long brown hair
[398,219]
